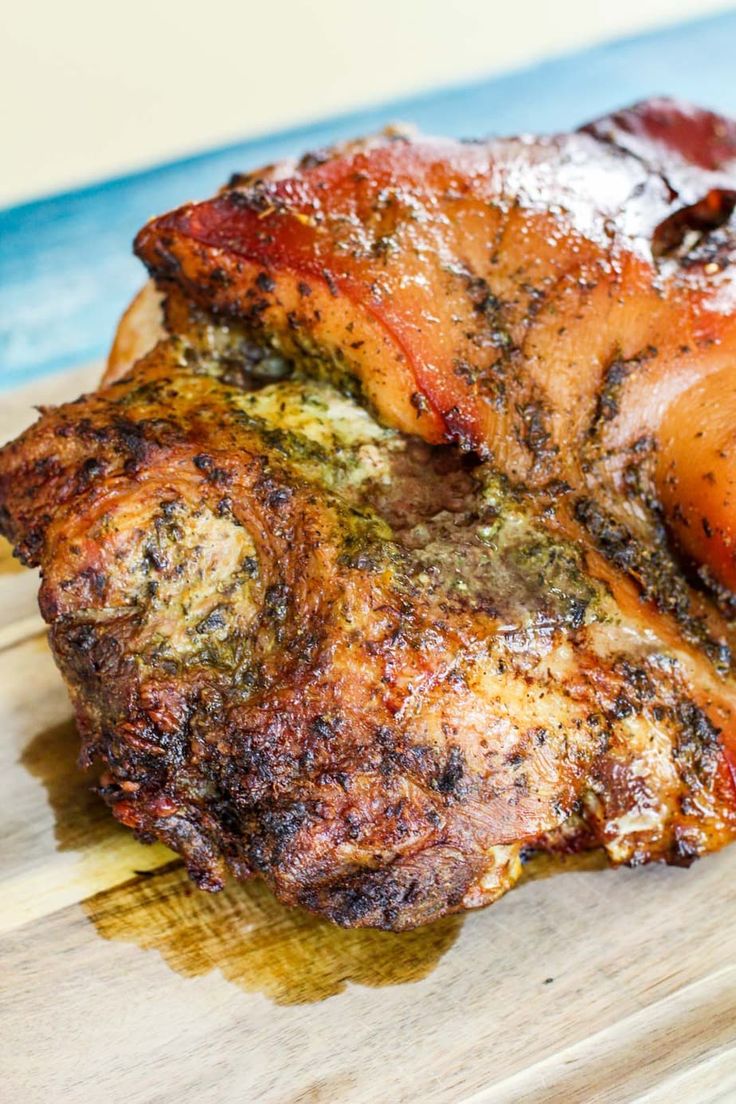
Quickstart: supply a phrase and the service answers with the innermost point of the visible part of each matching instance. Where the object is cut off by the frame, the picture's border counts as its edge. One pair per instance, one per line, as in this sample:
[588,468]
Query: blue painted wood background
[66,269]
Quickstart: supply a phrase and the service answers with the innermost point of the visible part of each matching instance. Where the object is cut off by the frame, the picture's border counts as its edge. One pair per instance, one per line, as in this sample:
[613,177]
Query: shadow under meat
[81,819]
[257,943]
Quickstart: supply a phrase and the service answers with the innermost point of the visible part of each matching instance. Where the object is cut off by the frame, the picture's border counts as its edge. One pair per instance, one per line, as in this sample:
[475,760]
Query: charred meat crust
[364,668]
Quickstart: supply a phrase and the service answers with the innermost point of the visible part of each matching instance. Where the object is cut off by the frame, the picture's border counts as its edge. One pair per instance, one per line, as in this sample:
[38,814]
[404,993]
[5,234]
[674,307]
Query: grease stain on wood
[8,563]
[543,865]
[81,819]
[259,944]
[244,932]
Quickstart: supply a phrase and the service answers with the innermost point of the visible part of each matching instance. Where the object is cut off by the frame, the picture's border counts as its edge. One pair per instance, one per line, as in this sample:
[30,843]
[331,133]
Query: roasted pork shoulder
[399,541]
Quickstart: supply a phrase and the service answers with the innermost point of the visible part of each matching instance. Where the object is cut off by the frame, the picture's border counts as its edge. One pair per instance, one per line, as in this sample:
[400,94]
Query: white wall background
[91,88]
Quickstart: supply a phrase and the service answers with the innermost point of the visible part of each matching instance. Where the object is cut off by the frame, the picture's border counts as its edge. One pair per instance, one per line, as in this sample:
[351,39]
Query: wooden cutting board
[121,982]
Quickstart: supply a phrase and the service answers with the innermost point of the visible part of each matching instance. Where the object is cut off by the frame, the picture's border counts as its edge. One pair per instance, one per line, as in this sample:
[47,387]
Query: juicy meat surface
[407,549]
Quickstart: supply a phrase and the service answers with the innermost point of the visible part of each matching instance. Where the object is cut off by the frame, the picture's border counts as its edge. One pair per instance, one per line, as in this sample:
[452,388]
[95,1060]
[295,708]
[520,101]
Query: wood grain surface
[121,982]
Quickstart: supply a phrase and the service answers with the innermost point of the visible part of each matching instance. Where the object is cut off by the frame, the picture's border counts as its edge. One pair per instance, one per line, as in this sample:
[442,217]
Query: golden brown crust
[365,669]
[371,669]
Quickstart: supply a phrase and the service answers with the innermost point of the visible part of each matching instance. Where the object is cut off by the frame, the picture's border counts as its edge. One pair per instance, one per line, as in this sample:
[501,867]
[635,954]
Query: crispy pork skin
[398,542]
[556,303]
